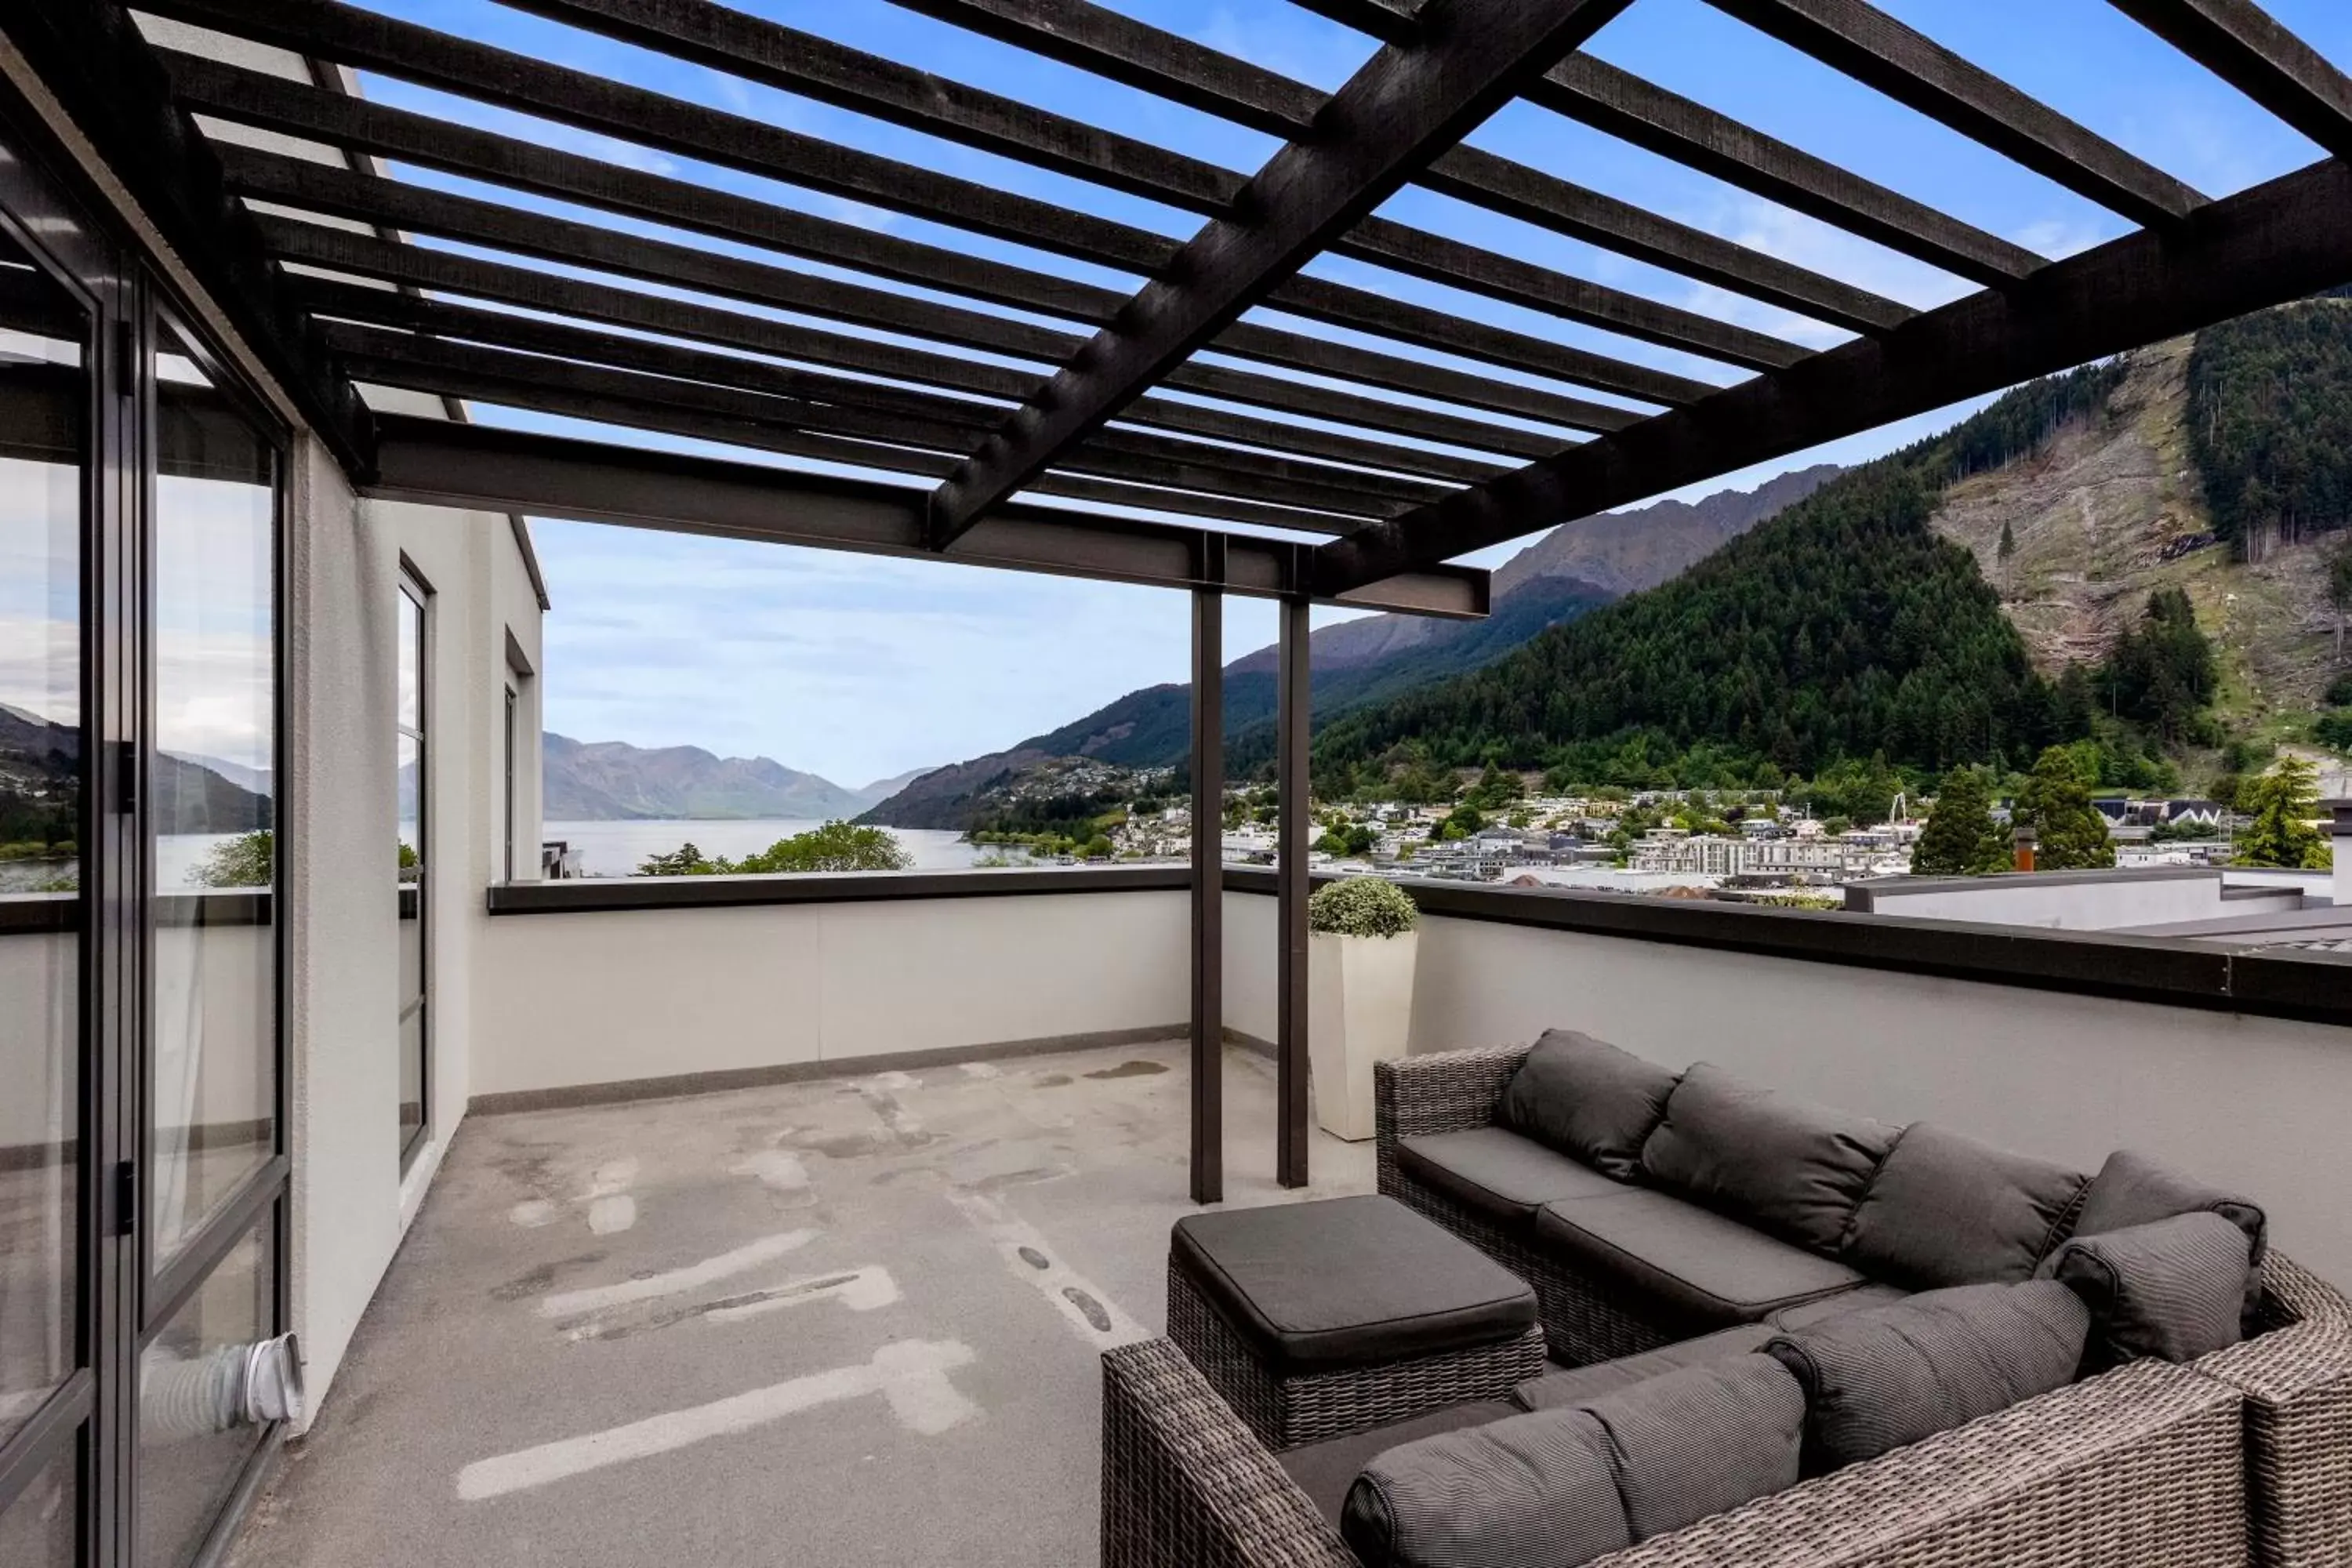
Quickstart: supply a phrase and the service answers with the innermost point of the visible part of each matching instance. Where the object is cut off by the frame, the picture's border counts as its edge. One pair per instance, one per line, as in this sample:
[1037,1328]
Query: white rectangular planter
[1360,1011]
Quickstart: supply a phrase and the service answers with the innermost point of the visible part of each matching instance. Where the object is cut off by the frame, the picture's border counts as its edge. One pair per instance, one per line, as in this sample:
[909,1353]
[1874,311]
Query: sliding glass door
[144,1177]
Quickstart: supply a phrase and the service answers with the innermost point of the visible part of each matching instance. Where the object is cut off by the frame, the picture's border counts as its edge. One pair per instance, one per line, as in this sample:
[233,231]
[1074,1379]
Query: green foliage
[1858,792]
[1361,906]
[834,846]
[2162,670]
[1843,627]
[1348,839]
[2339,691]
[1962,838]
[1460,823]
[2334,730]
[28,817]
[247,860]
[1098,848]
[2270,421]
[2068,834]
[1496,789]
[2282,803]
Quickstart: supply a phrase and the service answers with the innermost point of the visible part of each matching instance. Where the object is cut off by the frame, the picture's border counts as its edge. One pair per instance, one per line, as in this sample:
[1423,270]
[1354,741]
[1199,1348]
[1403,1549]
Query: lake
[617,848]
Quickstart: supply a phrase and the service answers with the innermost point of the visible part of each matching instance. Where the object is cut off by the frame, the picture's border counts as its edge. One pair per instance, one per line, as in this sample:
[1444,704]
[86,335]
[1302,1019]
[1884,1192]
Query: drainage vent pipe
[235,1386]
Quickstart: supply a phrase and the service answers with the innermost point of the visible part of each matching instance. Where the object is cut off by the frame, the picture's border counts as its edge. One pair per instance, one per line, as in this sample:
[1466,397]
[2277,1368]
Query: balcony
[794,1214]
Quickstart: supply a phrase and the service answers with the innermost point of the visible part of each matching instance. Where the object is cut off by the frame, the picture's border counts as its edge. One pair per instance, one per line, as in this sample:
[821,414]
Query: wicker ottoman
[1316,1320]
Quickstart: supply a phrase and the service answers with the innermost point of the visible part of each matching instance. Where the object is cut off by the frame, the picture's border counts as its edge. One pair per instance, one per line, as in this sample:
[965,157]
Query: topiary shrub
[1362,906]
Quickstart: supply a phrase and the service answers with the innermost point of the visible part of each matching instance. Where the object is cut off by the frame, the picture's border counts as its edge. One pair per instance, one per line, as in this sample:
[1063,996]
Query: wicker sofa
[2242,1456]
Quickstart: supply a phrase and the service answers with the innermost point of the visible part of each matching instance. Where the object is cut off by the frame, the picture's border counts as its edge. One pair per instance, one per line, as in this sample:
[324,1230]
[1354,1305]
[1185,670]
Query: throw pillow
[1688,1444]
[1946,1210]
[1587,1099]
[1531,1489]
[2173,1290]
[2132,1189]
[1892,1376]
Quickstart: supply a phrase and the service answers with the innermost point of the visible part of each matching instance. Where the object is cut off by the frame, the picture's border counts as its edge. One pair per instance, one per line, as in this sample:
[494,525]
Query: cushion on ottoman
[1786,1164]
[1692,1444]
[2174,1288]
[1567,1385]
[1948,1210]
[1527,1490]
[1325,1471]
[1879,1379]
[2133,1189]
[1585,1097]
[1347,1281]
[1497,1172]
[1702,1270]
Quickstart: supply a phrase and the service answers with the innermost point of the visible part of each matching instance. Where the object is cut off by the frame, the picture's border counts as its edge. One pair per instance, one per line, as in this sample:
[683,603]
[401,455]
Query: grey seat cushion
[1347,1281]
[1498,1172]
[1783,1164]
[1325,1471]
[1879,1379]
[2174,1288]
[1805,1314]
[1567,1385]
[1585,1097]
[1529,1489]
[1700,1270]
[1691,1444]
[2133,1189]
[1948,1210]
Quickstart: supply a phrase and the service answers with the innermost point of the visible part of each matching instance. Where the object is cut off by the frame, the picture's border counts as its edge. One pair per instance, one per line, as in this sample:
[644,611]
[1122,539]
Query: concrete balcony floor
[840,1323]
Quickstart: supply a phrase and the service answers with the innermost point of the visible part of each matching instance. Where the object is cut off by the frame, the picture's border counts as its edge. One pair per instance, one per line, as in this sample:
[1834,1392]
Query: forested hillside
[2270,424]
[1845,627]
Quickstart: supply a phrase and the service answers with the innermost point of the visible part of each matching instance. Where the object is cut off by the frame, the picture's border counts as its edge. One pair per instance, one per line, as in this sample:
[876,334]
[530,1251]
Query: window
[511,825]
[411,710]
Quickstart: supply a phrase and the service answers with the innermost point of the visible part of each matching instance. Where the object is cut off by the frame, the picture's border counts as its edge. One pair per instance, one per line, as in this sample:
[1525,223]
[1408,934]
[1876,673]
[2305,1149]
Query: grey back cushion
[2174,1289]
[1781,1164]
[2132,1189]
[1879,1379]
[1586,1098]
[1946,1210]
[1691,1444]
[1530,1489]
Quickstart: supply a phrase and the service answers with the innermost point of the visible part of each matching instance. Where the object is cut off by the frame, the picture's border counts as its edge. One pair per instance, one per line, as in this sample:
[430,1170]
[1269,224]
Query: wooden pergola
[1327,488]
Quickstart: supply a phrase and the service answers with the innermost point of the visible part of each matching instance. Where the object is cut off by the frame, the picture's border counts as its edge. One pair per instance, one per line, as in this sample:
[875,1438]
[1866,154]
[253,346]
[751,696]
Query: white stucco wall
[2064,902]
[588,998]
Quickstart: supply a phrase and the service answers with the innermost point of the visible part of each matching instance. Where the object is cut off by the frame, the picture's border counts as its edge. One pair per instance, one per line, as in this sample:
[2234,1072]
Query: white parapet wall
[2081,900]
[606,996]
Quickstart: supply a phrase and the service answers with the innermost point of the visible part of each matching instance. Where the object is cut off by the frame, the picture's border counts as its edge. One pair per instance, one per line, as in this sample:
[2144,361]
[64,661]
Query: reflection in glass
[409,743]
[38,1529]
[43,412]
[213,792]
[187,1466]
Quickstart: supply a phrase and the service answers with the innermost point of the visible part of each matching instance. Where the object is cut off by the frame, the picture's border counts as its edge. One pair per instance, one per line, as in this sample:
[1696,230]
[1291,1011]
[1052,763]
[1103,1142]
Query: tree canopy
[834,846]
[2070,835]
[2282,803]
[2270,421]
[1962,838]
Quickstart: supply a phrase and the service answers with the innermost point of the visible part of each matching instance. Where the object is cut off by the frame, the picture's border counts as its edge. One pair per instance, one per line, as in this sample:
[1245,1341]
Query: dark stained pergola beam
[111,82]
[725,39]
[424,55]
[661,399]
[292,109]
[2245,47]
[2277,242]
[1407,105]
[1866,44]
[502,284]
[1618,103]
[478,468]
[1094,38]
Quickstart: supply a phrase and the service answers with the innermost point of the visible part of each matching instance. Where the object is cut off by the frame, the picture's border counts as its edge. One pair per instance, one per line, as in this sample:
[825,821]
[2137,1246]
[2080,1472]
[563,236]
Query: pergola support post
[1290,876]
[1209,884]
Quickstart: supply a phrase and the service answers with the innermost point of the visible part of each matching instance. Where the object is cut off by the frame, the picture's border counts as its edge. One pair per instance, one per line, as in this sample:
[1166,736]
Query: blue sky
[858,668]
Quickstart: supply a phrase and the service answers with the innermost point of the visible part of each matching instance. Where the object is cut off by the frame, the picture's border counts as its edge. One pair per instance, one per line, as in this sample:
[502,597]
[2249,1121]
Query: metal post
[1208,891]
[1290,876]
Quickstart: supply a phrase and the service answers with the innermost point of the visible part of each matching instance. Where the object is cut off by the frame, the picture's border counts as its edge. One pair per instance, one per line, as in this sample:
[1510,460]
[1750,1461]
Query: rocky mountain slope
[611,780]
[1573,569]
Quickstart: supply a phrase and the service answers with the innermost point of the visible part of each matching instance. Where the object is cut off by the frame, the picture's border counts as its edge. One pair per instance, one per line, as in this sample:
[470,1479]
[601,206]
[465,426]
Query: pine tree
[2284,803]
[2007,549]
[1961,839]
[2068,834]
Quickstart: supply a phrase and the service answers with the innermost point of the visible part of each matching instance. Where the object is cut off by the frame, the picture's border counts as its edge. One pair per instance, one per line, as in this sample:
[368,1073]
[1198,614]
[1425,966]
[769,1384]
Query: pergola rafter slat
[1859,40]
[1403,108]
[2245,47]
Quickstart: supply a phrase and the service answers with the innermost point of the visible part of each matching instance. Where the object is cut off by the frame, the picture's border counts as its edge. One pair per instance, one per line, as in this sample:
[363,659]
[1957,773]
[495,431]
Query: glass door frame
[49,210]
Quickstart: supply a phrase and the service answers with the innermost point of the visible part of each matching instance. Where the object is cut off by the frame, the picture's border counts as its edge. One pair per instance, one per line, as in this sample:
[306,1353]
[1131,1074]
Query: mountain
[598,781]
[1574,569]
[40,785]
[1843,627]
